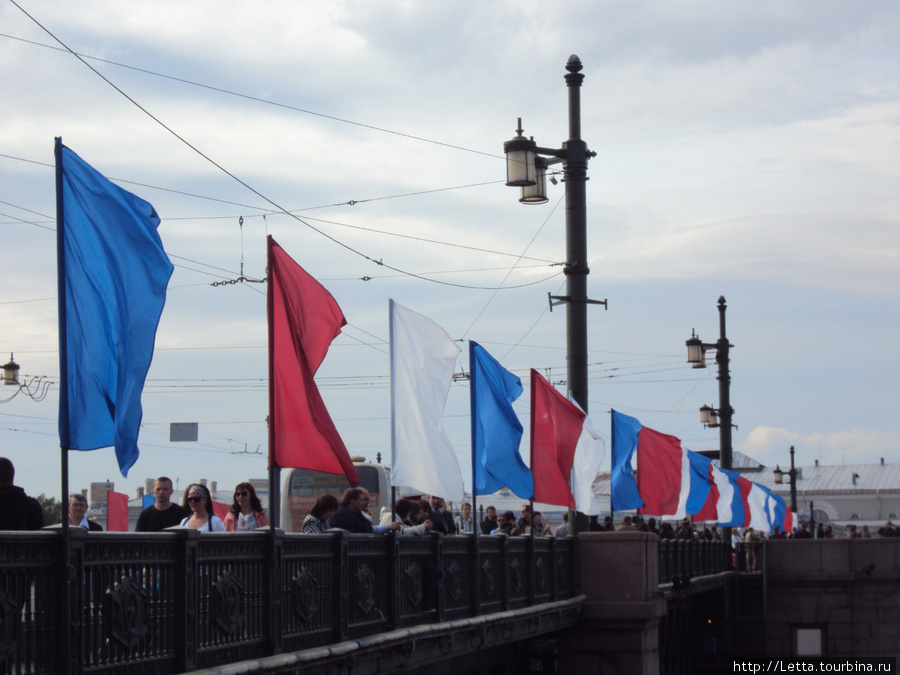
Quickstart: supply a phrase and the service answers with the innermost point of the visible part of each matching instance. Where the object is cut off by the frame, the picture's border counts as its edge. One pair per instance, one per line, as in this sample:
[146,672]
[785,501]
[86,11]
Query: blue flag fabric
[699,483]
[113,274]
[623,486]
[496,430]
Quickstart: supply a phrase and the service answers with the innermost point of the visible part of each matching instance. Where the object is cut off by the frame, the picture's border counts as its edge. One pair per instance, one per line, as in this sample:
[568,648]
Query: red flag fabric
[556,425]
[745,486]
[220,509]
[303,320]
[710,511]
[116,512]
[663,476]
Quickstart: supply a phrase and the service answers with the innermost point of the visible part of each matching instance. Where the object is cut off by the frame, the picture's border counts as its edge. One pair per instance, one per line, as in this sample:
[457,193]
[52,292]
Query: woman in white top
[246,513]
[199,502]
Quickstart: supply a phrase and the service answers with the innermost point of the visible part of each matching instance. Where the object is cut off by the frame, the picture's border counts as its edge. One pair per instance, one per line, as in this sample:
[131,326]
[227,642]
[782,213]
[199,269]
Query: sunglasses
[242,493]
[194,499]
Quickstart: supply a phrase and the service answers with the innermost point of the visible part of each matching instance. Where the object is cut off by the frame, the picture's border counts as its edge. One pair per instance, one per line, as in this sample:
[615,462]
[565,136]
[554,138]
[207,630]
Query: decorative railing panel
[178,601]
[311,584]
[683,559]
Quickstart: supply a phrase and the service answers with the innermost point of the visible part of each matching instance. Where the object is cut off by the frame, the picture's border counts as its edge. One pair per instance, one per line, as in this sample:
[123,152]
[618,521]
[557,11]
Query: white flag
[589,454]
[423,357]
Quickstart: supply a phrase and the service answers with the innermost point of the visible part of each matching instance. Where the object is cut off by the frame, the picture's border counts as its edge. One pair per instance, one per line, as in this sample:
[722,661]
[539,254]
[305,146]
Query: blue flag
[112,273]
[496,430]
[623,486]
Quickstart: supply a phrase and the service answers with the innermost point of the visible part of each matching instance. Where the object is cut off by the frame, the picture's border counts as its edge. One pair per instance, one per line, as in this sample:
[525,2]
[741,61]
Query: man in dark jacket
[350,515]
[441,519]
[18,511]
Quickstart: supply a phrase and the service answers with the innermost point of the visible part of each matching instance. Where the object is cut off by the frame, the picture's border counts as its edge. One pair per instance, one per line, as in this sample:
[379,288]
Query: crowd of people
[413,514]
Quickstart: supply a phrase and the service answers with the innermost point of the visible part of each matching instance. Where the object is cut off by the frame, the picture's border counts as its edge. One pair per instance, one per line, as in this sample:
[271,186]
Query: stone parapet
[619,627]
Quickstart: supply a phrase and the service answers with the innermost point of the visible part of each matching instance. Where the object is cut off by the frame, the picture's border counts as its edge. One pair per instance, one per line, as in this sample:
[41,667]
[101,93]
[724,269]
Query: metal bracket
[563,299]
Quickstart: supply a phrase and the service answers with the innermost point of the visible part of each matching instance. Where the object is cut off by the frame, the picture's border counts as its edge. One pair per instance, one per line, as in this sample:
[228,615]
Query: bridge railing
[681,559]
[178,601]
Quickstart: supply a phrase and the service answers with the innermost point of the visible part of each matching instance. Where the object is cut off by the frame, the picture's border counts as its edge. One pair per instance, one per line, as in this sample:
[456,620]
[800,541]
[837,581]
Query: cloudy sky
[748,150]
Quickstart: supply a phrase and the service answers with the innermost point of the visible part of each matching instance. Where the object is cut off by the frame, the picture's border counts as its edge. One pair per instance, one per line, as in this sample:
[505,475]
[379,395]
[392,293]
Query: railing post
[394,576]
[75,621]
[475,586]
[504,571]
[531,561]
[439,563]
[554,572]
[187,612]
[341,586]
[663,561]
[276,584]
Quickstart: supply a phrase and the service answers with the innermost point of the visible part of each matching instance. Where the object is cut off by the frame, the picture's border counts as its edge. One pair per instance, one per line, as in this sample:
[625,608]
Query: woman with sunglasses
[199,502]
[246,513]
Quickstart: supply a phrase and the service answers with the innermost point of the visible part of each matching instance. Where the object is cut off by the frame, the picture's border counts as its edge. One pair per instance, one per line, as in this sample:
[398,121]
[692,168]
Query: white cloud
[770,446]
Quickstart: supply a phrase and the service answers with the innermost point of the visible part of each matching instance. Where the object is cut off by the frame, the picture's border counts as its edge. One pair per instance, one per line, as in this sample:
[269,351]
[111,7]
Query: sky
[745,150]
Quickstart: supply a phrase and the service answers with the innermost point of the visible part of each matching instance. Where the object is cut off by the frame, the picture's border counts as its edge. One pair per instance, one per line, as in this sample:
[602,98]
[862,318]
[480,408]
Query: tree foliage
[52,509]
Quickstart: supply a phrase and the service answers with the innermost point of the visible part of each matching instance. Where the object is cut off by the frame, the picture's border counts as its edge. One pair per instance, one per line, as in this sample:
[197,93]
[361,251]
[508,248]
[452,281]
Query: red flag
[663,476]
[220,509]
[556,425]
[710,511]
[116,512]
[303,320]
[746,486]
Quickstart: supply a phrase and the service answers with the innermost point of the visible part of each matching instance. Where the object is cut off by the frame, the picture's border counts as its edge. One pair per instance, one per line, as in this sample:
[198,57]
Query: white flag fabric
[423,357]
[589,454]
[759,515]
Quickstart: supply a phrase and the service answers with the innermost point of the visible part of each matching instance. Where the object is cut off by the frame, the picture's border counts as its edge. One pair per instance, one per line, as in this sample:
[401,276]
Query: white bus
[301,488]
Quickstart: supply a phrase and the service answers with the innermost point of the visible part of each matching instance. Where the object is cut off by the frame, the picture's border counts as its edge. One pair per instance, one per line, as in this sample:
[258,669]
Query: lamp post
[792,475]
[526,166]
[712,417]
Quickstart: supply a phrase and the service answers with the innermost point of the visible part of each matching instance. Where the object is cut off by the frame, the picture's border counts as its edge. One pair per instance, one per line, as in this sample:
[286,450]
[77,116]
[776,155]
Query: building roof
[820,479]
[845,478]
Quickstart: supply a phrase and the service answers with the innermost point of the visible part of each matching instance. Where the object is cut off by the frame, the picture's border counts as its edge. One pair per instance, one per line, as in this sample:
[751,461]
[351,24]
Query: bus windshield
[304,486]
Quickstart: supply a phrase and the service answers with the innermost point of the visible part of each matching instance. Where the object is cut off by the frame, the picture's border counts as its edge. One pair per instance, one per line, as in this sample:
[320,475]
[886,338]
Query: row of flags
[113,273]
[673,481]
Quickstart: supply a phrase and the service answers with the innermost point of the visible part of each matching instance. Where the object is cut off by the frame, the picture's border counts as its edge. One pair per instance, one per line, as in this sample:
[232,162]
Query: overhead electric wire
[245,184]
[238,94]
[515,264]
[272,212]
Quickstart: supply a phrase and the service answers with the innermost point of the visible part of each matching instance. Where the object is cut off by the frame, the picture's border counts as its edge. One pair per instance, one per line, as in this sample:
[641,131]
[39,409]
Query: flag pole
[66,652]
[274,469]
[476,526]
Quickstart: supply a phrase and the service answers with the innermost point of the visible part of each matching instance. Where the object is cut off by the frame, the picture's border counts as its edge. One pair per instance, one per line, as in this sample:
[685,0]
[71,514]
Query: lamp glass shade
[706,414]
[11,372]
[520,170]
[694,351]
[537,193]
[713,418]
[778,475]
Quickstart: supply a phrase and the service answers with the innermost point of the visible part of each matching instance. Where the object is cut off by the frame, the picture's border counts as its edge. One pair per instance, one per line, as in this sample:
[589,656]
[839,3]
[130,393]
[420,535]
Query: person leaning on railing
[349,515]
[316,520]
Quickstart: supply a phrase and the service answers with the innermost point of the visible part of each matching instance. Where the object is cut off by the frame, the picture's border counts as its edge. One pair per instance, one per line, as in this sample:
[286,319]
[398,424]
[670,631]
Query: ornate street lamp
[526,167]
[716,417]
[778,475]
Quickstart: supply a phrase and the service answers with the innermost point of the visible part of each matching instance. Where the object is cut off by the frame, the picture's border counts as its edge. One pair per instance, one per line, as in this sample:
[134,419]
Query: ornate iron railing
[681,559]
[177,601]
